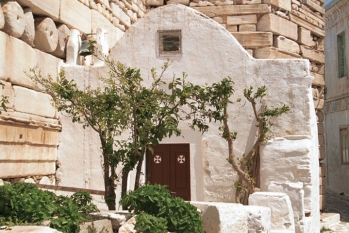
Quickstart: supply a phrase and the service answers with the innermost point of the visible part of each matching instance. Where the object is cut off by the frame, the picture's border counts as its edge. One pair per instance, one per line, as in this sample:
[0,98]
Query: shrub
[156,200]
[23,203]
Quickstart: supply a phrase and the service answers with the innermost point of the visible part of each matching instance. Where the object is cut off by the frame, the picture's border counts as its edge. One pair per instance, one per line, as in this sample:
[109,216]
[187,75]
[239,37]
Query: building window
[344,145]
[170,42]
[342,60]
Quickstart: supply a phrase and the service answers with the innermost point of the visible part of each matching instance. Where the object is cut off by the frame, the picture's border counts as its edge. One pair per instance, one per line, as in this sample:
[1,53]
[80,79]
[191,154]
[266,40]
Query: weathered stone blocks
[39,104]
[312,55]
[271,52]
[212,11]
[241,19]
[63,35]
[46,35]
[282,4]
[7,91]
[254,39]
[48,64]
[29,29]
[304,37]
[277,25]
[285,44]
[282,218]
[22,169]
[73,48]
[2,19]
[48,8]
[259,219]
[14,19]
[79,19]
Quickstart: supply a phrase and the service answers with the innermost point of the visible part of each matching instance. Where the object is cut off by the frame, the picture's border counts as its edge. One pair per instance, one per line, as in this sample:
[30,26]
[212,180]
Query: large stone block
[296,194]
[322,153]
[46,35]
[26,152]
[99,225]
[254,39]
[48,64]
[63,35]
[241,19]
[113,33]
[304,37]
[311,4]
[75,15]
[278,25]
[271,53]
[29,29]
[247,28]
[2,19]
[212,11]
[318,79]
[24,168]
[285,44]
[222,217]
[14,19]
[319,104]
[305,24]
[32,102]
[282,4]
[282,218]
[323,170]
[312,54]
[121,15]
[259,219]
[48,8]
[33,229]
[16,57]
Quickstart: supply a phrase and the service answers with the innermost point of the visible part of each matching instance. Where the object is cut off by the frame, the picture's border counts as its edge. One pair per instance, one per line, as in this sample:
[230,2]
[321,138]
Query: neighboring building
[337,96]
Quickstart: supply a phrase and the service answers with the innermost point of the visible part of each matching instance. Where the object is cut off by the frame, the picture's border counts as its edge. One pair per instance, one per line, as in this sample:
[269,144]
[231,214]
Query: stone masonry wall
[35,33]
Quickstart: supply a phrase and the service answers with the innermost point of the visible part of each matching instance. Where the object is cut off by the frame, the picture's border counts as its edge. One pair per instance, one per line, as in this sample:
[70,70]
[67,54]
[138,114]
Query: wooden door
[170,165]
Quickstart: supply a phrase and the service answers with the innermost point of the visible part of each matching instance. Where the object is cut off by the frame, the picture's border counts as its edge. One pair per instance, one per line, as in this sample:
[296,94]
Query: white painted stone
[49,8]
[29,30]
[14,19]
[296,193]
[46,35]
[283,43]
[101,46]
[112,35]
[45,180]
[259,219]
[31,229]
[29,180]
[16,57]
[73,48]
[278,25]
[39,104]
[1,182]
[103,225]
[222,217]
[129,226]
[282,218]
[76,15]
[48,64]
[63,36]
[2,19]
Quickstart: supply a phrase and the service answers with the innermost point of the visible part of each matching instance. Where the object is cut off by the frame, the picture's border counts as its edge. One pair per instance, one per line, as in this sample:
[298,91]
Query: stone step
[329,219]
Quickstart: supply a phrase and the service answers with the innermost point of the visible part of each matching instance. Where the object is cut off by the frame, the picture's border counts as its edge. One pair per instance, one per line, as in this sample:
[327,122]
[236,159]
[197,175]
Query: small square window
[170,42]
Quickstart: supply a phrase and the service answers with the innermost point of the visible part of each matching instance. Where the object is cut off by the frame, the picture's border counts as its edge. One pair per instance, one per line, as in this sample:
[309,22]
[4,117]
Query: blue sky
[327,1]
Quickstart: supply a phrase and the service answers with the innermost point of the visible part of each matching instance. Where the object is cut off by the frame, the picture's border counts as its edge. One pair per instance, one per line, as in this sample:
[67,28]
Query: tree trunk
[138,174]
[109,186]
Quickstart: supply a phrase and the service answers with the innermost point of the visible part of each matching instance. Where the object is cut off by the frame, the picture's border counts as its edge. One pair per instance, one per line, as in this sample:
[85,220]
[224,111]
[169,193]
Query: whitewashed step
[328,219]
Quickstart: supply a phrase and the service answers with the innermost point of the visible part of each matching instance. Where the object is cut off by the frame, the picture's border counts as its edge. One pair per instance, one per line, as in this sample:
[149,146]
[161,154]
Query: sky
[327,1]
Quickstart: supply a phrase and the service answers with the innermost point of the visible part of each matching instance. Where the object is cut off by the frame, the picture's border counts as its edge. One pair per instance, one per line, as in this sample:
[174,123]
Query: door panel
[170,166]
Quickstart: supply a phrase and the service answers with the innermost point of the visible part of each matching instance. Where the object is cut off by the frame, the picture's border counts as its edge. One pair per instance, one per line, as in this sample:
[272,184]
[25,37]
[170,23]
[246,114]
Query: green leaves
[156,208]
[23,203]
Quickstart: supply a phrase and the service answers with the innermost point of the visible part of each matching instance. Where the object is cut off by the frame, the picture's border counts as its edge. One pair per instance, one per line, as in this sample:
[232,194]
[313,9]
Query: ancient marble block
[76,15]
[222,217]
[121,15]
[319,104]
[270,53]
[16,57]
[99,225]
[46,35]
[183,2]
[285,44]
[48,64]
[247,27]
[234,9]
[36,229]
[29,29]
[242,19]
[63,35]
[259,218]
[322,152]
[318,79]
[154,2]
[278,25]
[312,55]
[304,37]
[282,218]
[282,4]
[39,104]
[254,39]
[73,48]
[49,8]
[14,19]
[23,168]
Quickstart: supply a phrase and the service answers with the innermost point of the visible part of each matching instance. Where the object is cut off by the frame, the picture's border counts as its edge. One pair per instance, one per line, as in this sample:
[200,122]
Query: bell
[84,50]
